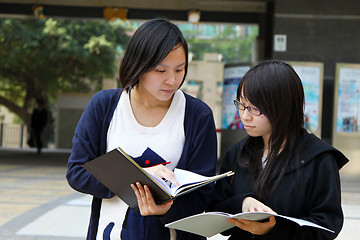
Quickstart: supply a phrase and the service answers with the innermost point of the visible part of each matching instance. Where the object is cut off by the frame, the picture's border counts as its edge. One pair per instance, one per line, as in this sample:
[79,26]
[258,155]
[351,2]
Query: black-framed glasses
[253,110]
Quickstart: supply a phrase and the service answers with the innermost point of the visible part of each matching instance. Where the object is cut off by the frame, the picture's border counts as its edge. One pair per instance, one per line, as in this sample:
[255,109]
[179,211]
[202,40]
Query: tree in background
[39,58]
[235,46]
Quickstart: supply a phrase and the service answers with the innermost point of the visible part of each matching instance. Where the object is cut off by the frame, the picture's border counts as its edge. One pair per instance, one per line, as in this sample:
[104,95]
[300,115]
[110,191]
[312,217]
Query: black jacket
[315,196]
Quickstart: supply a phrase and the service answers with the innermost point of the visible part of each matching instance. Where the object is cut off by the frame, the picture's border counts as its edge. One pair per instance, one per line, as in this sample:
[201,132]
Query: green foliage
[234,47]
[39,58]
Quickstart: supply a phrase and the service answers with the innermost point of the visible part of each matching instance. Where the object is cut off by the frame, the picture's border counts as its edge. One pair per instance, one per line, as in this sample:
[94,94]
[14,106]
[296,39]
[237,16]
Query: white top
[166,139]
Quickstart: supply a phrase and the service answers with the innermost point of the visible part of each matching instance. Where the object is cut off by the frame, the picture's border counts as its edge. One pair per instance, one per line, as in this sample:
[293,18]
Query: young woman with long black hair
[279,167]
[154,122]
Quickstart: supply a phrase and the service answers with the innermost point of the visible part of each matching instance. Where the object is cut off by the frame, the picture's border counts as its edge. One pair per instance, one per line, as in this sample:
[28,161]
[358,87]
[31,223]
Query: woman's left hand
[146,203]
[257,228]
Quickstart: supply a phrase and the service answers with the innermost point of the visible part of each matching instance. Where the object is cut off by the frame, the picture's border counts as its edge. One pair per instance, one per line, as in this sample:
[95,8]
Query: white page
[183,177]
[161,183]
[205,224]
[186,177]
[211,223]
[256,216]
[190,180]
[303,222]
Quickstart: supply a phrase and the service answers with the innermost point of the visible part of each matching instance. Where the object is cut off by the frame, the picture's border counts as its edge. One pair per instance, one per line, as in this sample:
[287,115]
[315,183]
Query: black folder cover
[117,171]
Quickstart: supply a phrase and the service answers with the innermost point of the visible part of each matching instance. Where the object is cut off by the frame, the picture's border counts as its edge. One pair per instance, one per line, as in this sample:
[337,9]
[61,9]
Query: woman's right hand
[146,202]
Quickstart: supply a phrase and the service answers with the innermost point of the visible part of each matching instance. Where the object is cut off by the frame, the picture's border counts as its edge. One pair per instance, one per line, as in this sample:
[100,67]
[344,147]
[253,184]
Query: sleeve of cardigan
[200,156]
[86,146]
[323,205]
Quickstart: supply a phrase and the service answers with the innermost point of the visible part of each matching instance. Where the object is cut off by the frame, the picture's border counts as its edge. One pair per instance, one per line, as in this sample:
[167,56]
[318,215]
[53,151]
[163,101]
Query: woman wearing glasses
[280,167]
[155,123]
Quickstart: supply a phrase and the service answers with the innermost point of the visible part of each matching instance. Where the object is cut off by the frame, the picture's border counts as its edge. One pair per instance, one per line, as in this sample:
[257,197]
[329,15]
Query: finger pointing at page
[161,172]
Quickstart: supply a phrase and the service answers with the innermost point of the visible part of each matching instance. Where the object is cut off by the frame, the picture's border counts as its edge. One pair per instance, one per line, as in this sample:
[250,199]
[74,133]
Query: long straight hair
[275,88]
[147,48]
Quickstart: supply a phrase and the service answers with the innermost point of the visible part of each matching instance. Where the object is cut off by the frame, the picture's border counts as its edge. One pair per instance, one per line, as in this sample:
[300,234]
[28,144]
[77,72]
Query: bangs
[250,89]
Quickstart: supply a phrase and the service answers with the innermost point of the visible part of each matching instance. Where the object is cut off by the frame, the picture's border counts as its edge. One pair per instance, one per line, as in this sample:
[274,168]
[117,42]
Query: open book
[210,223]
[187,180]
[117,171]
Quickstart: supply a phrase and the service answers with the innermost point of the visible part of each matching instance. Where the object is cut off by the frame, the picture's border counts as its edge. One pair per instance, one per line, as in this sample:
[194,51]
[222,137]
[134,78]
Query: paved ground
[36,202]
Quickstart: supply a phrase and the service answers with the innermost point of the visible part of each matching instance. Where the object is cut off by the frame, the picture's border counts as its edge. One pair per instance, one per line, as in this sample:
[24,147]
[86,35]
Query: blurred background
[64,51]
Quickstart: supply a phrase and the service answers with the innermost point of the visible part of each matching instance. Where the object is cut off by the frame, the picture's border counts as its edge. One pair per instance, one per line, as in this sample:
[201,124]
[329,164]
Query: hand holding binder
[117,171]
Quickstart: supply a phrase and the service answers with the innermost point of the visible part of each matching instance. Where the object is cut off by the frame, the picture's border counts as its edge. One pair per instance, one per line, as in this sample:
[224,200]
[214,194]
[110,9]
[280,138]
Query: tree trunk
[21,112]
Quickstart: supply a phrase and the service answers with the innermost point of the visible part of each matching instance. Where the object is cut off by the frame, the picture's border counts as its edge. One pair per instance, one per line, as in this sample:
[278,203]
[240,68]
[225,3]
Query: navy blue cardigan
[199,155]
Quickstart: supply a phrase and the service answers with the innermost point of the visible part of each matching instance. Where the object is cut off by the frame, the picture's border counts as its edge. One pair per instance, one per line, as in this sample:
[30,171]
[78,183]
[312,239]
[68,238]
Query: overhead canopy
[258,12]
[230,11]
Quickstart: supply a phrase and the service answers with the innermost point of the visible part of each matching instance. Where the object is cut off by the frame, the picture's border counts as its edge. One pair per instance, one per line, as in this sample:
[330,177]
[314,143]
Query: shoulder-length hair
[275,88]
[147,48]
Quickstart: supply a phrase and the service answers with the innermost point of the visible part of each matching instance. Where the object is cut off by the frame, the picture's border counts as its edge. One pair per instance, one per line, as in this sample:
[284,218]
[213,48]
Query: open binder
[117,171]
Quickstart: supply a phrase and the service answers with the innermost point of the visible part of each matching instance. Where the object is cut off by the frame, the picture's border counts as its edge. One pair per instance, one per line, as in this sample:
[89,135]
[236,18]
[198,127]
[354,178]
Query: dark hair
[275,88]
[147,48]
